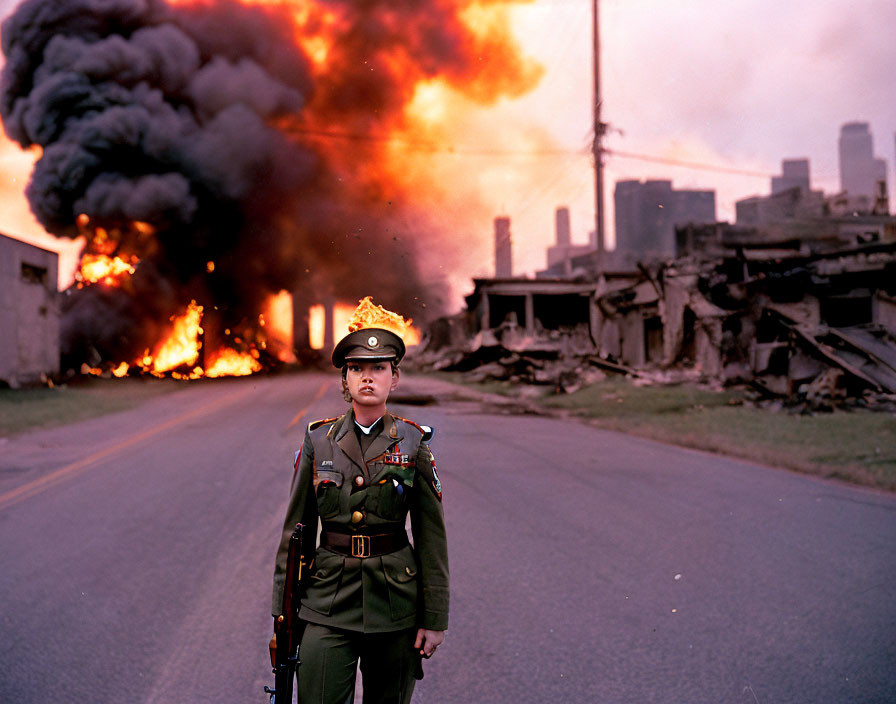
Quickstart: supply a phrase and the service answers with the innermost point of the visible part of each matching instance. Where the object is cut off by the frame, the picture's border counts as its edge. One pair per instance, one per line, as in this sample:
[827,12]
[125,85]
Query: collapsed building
[812,323]
[808,319]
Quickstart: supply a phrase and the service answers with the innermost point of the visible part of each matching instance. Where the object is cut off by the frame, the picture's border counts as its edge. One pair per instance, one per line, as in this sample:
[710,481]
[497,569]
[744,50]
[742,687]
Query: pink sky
[741,83]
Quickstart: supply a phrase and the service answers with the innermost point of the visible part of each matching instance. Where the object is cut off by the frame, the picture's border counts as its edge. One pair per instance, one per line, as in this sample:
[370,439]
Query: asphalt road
[587,566]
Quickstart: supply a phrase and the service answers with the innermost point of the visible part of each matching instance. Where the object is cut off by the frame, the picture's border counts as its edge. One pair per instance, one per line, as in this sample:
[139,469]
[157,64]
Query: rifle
[288,628]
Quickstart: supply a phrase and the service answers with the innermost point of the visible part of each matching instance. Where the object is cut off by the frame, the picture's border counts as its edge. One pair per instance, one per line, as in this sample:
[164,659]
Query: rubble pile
[493,356]
[814,329]
[806,327]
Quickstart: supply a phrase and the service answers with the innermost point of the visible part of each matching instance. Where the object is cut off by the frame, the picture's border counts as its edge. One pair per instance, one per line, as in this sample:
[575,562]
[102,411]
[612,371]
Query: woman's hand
[427,641]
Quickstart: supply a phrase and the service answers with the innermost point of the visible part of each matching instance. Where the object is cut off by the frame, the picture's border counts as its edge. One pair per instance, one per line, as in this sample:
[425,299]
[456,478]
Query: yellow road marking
[317,397]
[25,491]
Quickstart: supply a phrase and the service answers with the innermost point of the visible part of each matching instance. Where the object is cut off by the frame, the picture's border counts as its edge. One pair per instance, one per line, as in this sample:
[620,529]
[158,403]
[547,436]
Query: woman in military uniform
[372,596]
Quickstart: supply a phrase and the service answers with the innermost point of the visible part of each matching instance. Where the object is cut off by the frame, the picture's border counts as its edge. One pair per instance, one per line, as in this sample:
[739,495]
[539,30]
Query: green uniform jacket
[403,589]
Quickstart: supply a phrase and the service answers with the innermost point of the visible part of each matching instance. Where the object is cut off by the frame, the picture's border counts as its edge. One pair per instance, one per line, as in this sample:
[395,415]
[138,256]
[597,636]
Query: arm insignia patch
[436,483]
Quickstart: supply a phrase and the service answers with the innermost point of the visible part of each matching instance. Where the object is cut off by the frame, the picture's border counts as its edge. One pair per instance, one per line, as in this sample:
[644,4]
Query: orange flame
[370,315]
[342,315]
[229,362]
[316,327]
[101,268]
[182,345]
[277,318]
[102,260]
[422,109]
[181,349]
[144,228]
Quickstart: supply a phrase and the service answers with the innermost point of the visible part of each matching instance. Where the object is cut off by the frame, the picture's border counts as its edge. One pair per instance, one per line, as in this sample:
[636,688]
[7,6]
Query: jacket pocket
[324,583]
[327,486]
[390,500]
[390,494]
[400,570]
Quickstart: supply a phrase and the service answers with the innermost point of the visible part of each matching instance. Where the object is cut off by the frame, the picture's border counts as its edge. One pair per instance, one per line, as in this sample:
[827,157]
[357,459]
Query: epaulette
[425,430]
[317,423]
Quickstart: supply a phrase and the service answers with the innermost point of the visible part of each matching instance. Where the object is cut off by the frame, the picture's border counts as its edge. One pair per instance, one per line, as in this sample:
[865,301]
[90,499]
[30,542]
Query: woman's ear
[395,375]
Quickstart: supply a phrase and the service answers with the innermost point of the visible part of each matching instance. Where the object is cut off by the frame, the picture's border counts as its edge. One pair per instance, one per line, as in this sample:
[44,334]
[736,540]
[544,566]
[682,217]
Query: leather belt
[363,545]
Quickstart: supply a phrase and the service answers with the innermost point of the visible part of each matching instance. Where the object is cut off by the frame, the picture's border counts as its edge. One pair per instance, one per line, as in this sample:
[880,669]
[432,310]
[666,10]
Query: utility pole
[597,145]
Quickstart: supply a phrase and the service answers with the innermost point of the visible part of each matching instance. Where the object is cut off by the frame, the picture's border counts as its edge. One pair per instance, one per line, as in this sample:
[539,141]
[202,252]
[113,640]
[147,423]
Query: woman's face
[370,383]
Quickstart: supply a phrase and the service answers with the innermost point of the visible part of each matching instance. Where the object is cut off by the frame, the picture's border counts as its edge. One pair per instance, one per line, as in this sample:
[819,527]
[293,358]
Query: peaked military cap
[368,345]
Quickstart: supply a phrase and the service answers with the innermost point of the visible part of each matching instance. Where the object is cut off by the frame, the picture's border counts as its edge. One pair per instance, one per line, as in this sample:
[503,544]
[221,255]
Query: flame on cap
[369,315]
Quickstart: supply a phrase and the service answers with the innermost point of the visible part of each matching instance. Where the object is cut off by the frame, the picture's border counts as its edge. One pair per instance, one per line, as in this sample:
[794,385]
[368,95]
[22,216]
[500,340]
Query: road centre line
[317,397]
[32,488]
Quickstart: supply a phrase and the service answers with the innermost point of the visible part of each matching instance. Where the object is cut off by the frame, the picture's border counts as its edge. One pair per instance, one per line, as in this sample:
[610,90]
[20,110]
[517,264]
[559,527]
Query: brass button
[357,517]
[359,480]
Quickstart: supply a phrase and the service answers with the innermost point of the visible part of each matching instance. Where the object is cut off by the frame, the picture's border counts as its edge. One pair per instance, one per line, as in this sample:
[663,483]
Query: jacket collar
[347,440]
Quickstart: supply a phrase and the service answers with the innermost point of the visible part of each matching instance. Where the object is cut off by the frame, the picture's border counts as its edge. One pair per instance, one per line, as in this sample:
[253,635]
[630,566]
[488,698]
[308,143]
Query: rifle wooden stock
[288,628]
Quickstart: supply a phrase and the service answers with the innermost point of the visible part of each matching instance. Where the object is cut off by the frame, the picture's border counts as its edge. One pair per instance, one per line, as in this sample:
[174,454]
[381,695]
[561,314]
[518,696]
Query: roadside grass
[857,446]
[32,408]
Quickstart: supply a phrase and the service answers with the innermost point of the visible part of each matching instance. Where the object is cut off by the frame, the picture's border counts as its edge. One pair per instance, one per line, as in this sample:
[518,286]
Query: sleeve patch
[436,483]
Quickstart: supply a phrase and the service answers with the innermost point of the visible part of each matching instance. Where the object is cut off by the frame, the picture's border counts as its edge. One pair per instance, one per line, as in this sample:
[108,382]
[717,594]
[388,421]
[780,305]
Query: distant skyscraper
[860,172]
[794,174]
[647,213]
[562,226]
[561,254]
[503,264]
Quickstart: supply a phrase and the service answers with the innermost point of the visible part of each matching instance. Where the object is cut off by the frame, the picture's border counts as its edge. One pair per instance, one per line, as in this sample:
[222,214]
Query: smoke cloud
[204,120]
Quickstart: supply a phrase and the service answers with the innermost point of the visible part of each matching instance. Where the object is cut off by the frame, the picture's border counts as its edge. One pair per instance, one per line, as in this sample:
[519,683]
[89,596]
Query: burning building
[216,154]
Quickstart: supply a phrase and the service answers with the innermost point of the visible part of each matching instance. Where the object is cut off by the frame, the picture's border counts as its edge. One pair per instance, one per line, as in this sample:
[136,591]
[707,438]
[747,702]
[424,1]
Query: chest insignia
[326,463]
[396,458]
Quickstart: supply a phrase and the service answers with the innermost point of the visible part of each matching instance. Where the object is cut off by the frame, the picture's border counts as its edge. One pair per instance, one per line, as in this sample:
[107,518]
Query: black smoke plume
[183,116]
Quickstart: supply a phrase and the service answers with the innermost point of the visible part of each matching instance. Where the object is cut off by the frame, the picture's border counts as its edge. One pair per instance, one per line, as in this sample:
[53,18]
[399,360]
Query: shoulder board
[425,430]
[317,423]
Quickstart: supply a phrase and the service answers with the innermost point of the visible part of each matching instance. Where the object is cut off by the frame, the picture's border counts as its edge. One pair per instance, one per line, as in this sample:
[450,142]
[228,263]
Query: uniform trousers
[329,661]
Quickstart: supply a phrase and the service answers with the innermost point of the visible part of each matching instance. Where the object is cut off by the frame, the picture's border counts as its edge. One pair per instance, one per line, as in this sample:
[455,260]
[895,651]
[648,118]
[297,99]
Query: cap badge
[372,341]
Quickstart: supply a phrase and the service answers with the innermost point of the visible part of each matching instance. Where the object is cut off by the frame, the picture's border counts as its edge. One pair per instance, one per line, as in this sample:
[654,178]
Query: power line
[436,148]
[430,147]
[686,164]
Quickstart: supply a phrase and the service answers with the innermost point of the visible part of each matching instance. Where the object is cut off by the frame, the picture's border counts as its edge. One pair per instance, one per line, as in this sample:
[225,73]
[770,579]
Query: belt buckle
[360,546]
